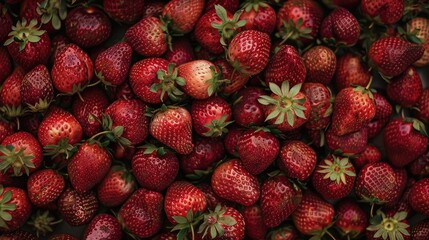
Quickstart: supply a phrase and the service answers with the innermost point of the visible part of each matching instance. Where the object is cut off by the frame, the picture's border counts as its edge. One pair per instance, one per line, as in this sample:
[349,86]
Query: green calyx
[217,127]
[111,134]
[126,174]
[53,11]
[61,148]
[287,105]
[337,169]
[254,5]
[186,224]
[168,81]
[392,228]
[215,82]
[228,27]
[40,106]
[13,111]
[24,33]
[16,159]
[213,222]
[418,126]
[42,223]
[291,30]
[150,148]
[5,207]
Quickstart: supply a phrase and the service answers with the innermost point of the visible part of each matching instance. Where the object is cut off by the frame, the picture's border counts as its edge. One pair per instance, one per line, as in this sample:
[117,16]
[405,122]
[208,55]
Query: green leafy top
[392,228]
[254,5]
[24,32]
[228,27]
[214,222]
[294,31]
[217,127]
[61,148]
[16,159]
[43,222]
[167,84]
[52,11]
[337,169]
[186,224]
[5,207]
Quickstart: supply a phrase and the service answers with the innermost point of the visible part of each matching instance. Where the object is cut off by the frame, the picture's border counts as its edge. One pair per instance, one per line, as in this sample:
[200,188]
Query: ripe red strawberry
[116,187]
[299,20]
[320,62]
[223,223]
[130,114]
[404,141]
[231,139]
[420,167]
[5,23]
[20,153]
[297,160]
[44,187]
[257,148]
[79,166]
[279,199]
[352,220]
[422,25]
[6,129]
[401,176]
[287,108]
[18,235]
[165,236]
[389,64]
[371,154]
[103,226]
[77,208]
[124,92]
[419,196]
[386,12]
[233,81]
[405,89]
[259,16]
[320,98]
[423,106]
[154,168]
[126,12]
[62,236]
[147,37]
[376,183]
[27,45]
[351,71]
[255,227]
[153,8]
[354,108]
[229,5]
[247,111]
[402,204]
[112,65]
[206,152]
[309,223]
[15,208]
[173,127]
[72,69]
[181,51]
[283,233]
[420,231]
[212,198]
[37,90]
[10,94]
[349,144]
[376,126]
[390,224]
[383,108]
[183,14]
[6,63]
[244,46]
[340,27]
[334,177]
[211,116]
[231,181]
[294,71]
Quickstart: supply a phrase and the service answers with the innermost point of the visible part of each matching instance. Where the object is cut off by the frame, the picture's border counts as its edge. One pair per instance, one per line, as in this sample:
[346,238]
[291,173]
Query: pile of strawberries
[216,119]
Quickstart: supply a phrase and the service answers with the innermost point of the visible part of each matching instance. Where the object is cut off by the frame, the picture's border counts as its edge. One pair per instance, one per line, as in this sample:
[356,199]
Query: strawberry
[404,141]
[10,94]
[231,139]
[154,168]
[62,236]
[351,71]
[423,106]
[37,90]
[383,108]
[294,71]
[287,108]
[5,23]
[77,208]
[72,69]
[223,223]
[351,219]
[420,167]
[6,129]
[231,181]
[255,227]
[211,116]
[105,226]
[172,126]
[371,154]
[320,98]
[141,214]
[129,115]
[126,12]
[232,80]
[340,27]
[401,204]
[349,144]
[206,152]
[418,199]
[334,177]
[20,153]
[299,21]
[18,235]
[279,199]
[244,46]
[113,64]
[247,111]
[147,37]
[259,16]
[15,208]
[165,236]
[212,198]
[422,25]
[320,62]
[283,233]
[297,160]
[6,64]
[386,12]
[309,223]
[44,187]
[116,187]
[183,14]
[394,225]
[257,148]
[354,108]
[153,8]
[420,231]
[376,183]
[401,176]
[389,64]
[28,46]
[181,51]
[229,5]
[406,88]
[376,126]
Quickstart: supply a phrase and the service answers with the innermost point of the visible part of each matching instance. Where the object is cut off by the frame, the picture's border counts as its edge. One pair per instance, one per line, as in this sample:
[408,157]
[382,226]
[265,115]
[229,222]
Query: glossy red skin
[114,63]
[205,111]
[126,12]
[181,196]
[297,160]
[237,231]
[285,233]
[403,143]
[74,65]
[371,154]
[387,12]
[143,75]
[231,181]
[320,62]
[114,189]
[247,111]
[294,71]
[37,85]
[103,226]
[206,152]
[402,204]
[77,209]
[212,198]
[196,74]
[406,89]
[383,108]
[320,100]
[231,139]
[229,5]
[401,176]
[184,14]
[236,80]
[10,93]
[420,167]
[420,231]
[6,24]
[342,26]
[62,236]
[376,126]
[255,227]
[166,236]
[154,171]
[142,214]
[419,196]
[181,52]
[6,66]
[44,187]
[124,92]
[18,235]
[351,220]
[26,141]
[153,8]
[22,211]
[279,199]
[6,129]
[423,105]
[349,144]
[351,71]
[257,149]
[79,166]
[263,19]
